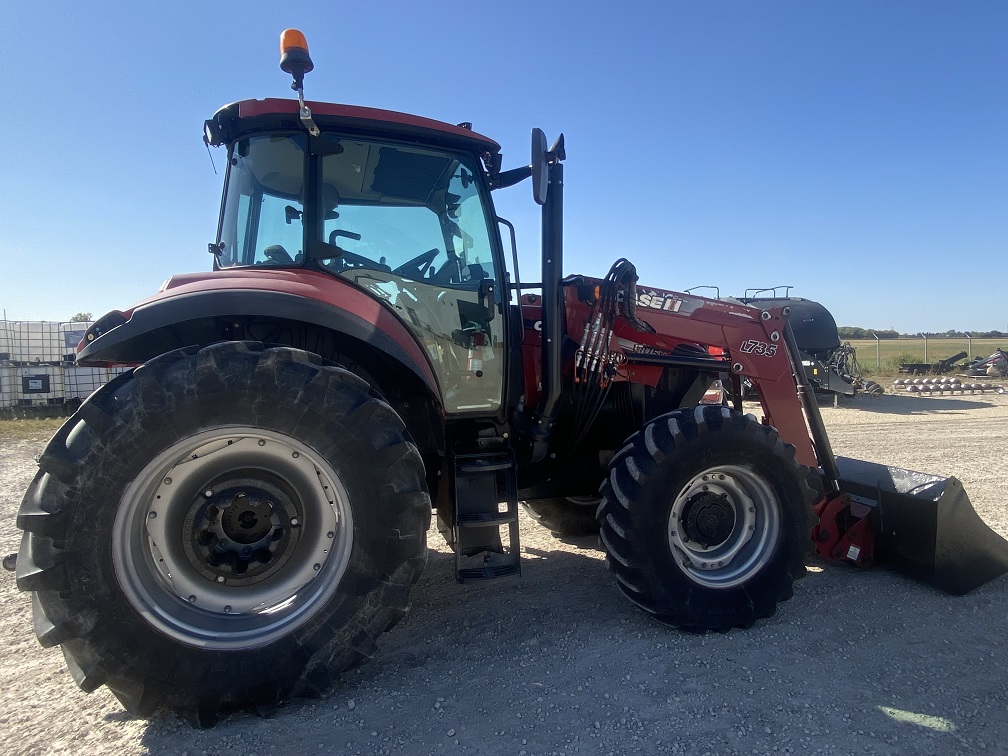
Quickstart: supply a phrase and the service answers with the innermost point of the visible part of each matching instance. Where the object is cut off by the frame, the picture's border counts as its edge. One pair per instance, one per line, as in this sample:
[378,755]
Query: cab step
[486,508]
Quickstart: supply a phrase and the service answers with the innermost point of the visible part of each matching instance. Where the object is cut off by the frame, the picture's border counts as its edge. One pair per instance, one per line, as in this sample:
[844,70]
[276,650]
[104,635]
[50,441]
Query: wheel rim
[232,537]
[724,526]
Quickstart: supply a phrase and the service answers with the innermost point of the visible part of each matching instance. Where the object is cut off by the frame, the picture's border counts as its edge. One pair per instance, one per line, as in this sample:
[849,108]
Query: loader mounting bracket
[845,531]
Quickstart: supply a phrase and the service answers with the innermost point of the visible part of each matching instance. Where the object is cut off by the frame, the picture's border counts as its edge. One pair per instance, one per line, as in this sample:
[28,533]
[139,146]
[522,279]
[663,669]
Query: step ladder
[486,503]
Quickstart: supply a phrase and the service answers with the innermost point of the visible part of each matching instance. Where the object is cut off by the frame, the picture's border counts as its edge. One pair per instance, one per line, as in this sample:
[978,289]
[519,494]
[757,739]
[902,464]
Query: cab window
[264,203]
[406,210]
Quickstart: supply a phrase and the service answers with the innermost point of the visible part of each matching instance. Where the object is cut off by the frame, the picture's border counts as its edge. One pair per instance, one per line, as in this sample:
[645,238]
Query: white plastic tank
[36,342]
[40,384]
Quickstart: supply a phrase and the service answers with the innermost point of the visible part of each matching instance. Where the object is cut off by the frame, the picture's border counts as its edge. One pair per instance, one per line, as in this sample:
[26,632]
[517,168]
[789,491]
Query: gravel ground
[558,662]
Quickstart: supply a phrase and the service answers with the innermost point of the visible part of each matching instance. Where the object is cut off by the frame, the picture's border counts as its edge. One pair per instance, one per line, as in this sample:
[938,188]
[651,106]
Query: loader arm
[920,524]
[751,341]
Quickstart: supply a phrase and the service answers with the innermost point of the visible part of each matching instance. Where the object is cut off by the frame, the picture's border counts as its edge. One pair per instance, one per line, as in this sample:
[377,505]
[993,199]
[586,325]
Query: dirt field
[558,662]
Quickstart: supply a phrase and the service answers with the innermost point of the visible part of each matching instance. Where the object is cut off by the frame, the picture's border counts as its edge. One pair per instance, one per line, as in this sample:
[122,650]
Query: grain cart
[237,520]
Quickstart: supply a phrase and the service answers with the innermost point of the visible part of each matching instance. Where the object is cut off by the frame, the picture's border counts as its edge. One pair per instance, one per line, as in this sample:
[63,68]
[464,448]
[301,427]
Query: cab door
[412,226]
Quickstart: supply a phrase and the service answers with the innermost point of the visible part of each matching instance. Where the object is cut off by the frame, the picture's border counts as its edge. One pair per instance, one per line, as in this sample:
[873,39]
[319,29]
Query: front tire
[706,519]
[223,528]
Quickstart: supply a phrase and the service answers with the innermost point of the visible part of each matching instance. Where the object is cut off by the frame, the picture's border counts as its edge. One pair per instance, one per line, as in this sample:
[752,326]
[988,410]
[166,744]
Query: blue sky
[857,151]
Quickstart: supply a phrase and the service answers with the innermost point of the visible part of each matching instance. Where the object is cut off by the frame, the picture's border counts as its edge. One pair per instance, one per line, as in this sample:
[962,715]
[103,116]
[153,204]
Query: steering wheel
[417,266]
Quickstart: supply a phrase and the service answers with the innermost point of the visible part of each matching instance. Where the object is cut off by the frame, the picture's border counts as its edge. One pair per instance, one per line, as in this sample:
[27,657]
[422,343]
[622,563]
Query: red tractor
[237,519]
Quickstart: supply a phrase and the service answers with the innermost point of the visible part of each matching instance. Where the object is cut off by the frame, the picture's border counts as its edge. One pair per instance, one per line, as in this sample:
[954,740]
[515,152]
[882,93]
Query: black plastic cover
[813,325]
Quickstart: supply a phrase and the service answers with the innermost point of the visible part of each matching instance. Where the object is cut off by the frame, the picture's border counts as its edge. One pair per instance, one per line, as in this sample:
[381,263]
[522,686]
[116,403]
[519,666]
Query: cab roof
[252,116]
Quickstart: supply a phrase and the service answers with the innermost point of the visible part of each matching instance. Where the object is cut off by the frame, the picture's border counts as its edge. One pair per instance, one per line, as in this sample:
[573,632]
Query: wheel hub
[246,521]
[708,519]
[243,527]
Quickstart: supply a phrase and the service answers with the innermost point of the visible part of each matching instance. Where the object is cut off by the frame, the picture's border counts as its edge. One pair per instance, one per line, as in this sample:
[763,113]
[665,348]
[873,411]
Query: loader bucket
[926,526]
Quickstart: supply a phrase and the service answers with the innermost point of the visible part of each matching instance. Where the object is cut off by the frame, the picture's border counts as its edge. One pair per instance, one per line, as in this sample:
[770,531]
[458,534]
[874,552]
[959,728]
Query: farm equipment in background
[941,367]
[238,519]
[994,366]
[830,365]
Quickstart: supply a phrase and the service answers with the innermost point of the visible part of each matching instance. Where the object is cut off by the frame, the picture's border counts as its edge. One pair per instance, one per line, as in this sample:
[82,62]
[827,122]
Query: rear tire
[706,519]
[565,515]
[223,528]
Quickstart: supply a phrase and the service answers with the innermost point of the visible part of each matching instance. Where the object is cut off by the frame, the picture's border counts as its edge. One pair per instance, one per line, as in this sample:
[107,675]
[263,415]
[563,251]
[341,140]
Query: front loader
[237,519]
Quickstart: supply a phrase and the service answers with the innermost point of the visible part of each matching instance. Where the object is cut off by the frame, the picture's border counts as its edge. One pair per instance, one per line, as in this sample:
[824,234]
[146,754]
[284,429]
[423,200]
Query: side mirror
[540,174]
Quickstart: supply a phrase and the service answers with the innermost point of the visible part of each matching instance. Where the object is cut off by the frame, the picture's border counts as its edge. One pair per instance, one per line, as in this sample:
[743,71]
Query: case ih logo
[658,301]
[758,347]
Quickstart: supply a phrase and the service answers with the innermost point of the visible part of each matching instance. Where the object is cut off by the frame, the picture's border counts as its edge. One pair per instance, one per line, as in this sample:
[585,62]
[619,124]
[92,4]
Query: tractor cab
[399,206]
[402,211]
